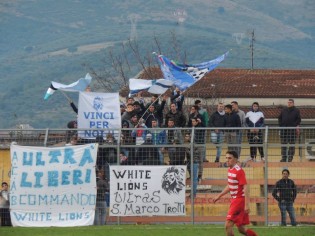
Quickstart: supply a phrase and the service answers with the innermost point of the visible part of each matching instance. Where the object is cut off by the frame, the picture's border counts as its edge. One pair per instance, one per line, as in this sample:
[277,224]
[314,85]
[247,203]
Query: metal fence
[264,154]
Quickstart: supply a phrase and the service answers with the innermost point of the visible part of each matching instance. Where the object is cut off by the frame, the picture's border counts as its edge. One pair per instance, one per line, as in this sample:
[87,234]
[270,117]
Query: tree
[131,57]
[127,59]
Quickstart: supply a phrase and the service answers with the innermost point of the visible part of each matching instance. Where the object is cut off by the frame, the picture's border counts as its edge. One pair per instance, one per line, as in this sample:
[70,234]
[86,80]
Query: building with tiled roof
[258,83]
[271,88]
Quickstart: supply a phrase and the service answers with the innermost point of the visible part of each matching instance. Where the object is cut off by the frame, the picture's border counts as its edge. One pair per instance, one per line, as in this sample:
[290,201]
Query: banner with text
[147,190]
[53,186]
[99,111]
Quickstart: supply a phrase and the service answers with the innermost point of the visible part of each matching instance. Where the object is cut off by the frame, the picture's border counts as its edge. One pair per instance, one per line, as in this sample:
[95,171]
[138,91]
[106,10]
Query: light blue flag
[184,76]
[77,86]
[159,86]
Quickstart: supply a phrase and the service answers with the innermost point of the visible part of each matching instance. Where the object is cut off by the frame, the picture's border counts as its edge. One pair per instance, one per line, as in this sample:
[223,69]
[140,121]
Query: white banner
[147,190]
[53,186]
[99,111]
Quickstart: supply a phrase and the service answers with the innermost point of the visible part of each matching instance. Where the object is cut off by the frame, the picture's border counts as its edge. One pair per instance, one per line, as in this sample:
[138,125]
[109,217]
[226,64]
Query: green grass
[153,230]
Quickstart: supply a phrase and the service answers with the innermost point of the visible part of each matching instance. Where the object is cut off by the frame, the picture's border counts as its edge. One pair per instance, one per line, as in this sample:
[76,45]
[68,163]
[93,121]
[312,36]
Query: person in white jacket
[255,120]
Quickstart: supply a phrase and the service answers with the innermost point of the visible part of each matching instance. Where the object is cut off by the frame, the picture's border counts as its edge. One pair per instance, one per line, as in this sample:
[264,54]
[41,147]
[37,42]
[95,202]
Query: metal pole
[46,137]
[192,175]
[69,100]
[300,143]
[266,175]
[118,161]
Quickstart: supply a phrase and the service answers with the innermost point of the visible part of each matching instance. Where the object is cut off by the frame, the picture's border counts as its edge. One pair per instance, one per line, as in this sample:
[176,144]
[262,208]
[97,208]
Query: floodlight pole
[252,48]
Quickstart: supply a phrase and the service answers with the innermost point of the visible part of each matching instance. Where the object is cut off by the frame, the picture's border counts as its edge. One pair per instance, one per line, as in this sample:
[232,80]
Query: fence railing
[264,153]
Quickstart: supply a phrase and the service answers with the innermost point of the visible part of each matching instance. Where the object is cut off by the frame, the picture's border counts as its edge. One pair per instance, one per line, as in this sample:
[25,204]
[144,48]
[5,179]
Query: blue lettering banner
[99,113]
[53,186]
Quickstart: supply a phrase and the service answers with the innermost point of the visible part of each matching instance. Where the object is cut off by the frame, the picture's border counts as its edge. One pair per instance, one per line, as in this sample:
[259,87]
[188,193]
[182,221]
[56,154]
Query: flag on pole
[77,86]
[184,75]
[152,86]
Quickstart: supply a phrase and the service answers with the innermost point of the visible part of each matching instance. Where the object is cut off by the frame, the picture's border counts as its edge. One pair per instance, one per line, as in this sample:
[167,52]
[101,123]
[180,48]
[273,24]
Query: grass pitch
[152,230]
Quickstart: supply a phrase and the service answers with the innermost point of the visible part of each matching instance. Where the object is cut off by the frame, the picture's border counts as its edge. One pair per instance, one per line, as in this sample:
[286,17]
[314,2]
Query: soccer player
[239,207]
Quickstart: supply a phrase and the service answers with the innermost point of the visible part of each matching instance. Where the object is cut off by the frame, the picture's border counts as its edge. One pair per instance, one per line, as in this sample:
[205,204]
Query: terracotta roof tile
[260,83]
[245,83]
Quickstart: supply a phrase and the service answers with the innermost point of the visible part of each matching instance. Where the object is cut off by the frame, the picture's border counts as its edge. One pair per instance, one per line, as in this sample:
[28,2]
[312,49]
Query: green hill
[46,40]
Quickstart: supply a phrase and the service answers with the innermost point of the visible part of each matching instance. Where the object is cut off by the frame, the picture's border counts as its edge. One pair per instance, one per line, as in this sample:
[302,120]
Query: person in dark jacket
[129,112]
[152,114]
[289,117]
[107,151]
[217,120]
[241,114]
[194,113]
[232,120]
[158,138]
[255,119]
[193,168]
[72,126]
[127,139]
[148,155]
[177,98]
[138,108]
[102,186]
[155,102]
[177,116]
[285,193]
[174,137]
[203,112]
[199,139]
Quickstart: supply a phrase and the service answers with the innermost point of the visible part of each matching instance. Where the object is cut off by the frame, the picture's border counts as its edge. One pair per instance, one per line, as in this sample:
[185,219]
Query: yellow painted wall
[5,165]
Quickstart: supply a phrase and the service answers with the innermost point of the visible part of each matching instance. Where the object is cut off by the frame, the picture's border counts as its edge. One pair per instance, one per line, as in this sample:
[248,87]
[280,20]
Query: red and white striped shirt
[236,181]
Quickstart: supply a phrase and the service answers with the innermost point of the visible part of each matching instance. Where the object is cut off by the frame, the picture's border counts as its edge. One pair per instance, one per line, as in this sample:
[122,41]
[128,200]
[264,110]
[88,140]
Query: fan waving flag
[184,76]
[77,86]
[152,86]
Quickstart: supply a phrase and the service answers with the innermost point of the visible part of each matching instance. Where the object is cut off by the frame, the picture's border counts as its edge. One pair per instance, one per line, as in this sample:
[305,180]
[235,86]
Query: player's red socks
[250,232]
